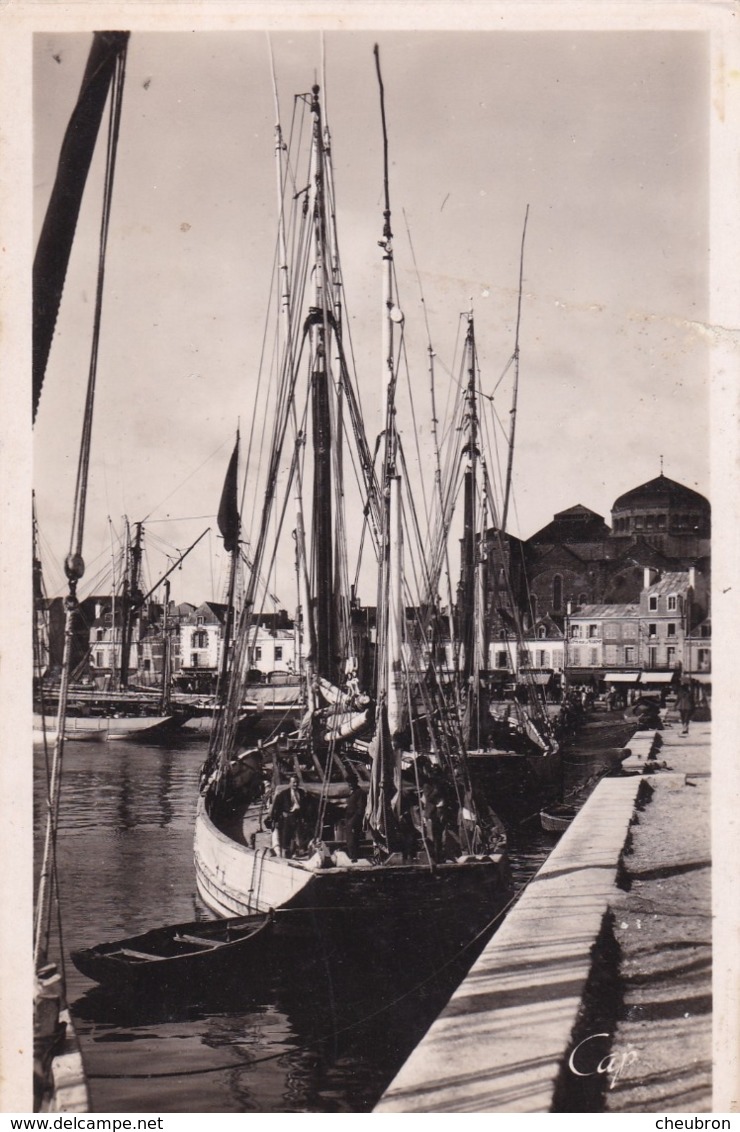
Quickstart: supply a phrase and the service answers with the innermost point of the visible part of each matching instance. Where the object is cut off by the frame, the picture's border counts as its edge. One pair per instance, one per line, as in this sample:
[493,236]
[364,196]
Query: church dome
[662,505]
[660,492]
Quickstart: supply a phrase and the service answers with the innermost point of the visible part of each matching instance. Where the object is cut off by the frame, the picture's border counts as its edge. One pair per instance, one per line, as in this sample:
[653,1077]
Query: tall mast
[467,573]
[324,617]
[49,269]
[166,660]
[391,562]
[131,603]
[512,431]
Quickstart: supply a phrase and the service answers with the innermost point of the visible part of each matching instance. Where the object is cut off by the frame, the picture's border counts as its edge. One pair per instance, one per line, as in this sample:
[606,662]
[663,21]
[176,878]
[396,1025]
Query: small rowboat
[168,955]
[557,818]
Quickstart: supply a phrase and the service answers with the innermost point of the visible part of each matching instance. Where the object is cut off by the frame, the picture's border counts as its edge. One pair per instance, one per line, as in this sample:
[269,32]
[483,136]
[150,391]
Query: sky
[604,135]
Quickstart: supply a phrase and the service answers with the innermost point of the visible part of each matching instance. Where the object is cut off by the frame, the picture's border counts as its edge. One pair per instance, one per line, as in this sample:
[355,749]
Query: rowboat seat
[131,954]
[199,941]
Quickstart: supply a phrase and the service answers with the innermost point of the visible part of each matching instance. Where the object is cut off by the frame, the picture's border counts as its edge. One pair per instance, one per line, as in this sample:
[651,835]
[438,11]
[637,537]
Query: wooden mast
[324,613]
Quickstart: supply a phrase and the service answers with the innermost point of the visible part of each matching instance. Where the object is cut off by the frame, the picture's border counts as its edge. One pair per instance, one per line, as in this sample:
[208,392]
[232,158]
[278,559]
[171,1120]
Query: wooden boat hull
[233,879]
[514,782]
[167,957]
[106,729]
[557,820]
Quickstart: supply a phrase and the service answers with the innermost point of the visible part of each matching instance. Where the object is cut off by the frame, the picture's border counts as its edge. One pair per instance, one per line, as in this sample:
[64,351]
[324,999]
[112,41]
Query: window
[653,603]
[100,658]
[194,660]
[629,654]
[703,659]
[575,657]
[575,630]
[557,592]
[542,632]
[200,620]
[652,657]
[593,631]
[258,653]
[200,639]
[98,634]
[649,522]
[638,522]
[672,603]
[593,656]
[671,656]
[543,659]
[278,652]
[652,630]
[671,628]
[661,522]
[147,665]
[502,659]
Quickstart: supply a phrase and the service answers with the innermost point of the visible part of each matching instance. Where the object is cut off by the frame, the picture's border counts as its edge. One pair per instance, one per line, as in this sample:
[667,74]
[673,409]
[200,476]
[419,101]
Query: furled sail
[55,242]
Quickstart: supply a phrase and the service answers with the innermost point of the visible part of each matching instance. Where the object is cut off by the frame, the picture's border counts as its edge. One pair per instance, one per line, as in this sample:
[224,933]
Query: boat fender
[321,858]
[47,1002]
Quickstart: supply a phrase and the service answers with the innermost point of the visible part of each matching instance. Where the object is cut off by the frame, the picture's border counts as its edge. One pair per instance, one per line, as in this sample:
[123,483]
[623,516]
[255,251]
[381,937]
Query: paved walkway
[552,978]
[663,927]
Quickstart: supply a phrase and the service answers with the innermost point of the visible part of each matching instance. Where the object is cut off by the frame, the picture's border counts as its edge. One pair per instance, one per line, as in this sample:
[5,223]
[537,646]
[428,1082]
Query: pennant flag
[228,508]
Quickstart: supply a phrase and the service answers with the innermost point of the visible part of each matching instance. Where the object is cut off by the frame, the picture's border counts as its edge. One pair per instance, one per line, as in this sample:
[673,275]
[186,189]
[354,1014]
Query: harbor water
[313,1030]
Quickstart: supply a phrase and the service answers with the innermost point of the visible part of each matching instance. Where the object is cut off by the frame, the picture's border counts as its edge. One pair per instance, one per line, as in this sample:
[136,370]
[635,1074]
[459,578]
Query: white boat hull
[233,879]
[103,729]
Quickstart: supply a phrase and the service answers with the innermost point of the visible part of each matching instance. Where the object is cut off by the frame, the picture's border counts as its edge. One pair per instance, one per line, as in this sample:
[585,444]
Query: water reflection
[322,1025]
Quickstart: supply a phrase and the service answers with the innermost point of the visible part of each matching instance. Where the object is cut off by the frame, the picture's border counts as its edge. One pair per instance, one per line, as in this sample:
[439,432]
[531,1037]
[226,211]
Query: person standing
[685,705]
[354,815]
[286,813]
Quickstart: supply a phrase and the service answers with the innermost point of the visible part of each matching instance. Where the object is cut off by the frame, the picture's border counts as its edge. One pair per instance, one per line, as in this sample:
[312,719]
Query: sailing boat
[359,809]
[123,713]
[512,748]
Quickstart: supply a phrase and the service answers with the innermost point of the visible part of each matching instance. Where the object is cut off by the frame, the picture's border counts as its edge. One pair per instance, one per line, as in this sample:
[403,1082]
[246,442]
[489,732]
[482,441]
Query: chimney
[647,578]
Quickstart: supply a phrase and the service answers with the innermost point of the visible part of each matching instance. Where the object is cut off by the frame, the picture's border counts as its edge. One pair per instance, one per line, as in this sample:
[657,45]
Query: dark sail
[228,508]
[57,234]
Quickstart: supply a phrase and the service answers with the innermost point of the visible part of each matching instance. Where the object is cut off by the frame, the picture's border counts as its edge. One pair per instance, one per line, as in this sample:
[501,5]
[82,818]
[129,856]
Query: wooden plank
[196,939]
[131,954]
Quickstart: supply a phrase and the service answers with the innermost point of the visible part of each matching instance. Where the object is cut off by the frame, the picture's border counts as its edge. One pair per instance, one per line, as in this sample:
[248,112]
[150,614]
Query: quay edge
[504,1041]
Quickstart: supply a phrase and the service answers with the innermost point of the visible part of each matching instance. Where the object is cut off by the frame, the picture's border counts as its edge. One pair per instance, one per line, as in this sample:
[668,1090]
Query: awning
[622,677]
[658,677]
[700,677]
